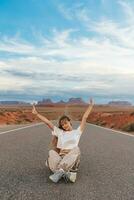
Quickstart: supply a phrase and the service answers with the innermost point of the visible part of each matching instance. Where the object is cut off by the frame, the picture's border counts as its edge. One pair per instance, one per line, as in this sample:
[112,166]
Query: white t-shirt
[67,139]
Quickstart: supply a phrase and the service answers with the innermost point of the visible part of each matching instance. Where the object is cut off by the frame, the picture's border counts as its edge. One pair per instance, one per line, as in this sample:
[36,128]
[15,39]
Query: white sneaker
[57,175]
[71,176]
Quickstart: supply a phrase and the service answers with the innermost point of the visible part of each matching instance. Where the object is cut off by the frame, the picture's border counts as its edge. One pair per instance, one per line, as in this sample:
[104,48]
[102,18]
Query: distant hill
[61,102]
[14,103]
[45,101]
[76,101]
[120,103]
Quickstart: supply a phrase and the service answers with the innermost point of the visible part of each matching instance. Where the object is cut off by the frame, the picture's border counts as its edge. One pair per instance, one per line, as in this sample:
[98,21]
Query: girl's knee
[76,149]
[52,152]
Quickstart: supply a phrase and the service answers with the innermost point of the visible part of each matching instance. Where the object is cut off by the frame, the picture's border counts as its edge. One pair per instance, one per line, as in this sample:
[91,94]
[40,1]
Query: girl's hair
[64,118]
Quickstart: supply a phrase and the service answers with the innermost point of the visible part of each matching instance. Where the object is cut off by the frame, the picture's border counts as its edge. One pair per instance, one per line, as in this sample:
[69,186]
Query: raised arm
[85,116]
[44,119]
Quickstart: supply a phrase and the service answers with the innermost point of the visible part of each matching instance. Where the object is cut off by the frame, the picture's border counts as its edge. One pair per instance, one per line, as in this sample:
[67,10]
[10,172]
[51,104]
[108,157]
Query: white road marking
[16,129]
[124,133]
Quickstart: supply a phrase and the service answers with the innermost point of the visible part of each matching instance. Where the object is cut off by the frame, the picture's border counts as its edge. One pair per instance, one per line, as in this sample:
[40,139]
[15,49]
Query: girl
[67,153]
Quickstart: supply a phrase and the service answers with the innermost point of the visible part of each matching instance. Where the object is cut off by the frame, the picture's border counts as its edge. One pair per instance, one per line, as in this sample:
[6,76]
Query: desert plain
[110,116]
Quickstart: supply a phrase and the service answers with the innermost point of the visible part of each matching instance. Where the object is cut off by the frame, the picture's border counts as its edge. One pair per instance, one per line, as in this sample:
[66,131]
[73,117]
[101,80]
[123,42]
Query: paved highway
[106,170]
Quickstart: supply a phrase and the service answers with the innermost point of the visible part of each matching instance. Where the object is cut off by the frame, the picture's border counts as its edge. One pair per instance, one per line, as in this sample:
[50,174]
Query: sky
[62,49]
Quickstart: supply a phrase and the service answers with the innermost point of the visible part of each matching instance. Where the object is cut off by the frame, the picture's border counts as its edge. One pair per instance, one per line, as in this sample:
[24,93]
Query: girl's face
[66,125]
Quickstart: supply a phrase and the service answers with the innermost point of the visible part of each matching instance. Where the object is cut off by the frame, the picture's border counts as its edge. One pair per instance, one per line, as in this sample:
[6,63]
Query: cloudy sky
[61,49]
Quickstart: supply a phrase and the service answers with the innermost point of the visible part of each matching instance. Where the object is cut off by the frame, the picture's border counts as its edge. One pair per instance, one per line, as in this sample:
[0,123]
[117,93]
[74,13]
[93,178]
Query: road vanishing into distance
[106,170]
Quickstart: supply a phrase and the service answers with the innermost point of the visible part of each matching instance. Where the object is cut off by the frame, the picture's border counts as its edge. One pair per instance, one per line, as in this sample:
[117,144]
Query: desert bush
[112,125]
[128,127]
[8,123]
[28,120]
[23,115]
[1,113]
[18,121]
[96,122]
[103,123]
[132,114]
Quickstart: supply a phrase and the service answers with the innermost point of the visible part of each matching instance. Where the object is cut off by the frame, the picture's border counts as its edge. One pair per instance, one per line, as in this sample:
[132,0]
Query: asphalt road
[106,170]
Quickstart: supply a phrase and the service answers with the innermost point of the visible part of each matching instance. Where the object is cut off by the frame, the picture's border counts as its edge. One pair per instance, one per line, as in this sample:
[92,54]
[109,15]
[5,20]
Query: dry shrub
[129,127]
[1,113]
[132,114]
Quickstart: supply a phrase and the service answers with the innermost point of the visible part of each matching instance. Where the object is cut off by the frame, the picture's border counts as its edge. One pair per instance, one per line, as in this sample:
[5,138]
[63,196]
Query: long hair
[63,118]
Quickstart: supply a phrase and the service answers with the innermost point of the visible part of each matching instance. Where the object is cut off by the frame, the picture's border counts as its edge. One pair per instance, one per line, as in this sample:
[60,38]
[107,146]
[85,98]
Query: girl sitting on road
[67,154]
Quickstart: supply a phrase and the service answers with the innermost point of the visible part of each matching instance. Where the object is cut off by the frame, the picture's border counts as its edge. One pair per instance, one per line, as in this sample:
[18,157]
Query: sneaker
[71,176]
[57,175]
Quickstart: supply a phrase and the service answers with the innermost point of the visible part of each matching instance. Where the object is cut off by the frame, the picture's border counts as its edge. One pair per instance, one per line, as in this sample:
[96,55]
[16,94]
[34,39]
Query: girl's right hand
[91,102]
[34,111]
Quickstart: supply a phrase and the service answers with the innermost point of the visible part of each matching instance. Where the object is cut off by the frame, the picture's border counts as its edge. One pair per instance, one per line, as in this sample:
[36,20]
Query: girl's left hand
[34,111]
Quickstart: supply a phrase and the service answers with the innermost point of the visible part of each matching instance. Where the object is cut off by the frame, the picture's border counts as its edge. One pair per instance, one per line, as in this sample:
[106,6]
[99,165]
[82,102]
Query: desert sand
[115,117]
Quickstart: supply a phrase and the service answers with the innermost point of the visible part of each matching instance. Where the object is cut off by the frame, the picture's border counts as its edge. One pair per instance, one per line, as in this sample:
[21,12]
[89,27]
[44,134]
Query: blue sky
[61,49]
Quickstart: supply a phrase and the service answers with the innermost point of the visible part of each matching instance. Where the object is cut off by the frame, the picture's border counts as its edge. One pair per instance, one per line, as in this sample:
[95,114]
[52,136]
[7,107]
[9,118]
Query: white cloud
[15,45]
[109,52]
[77,12]
[13,83]
[128,9]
